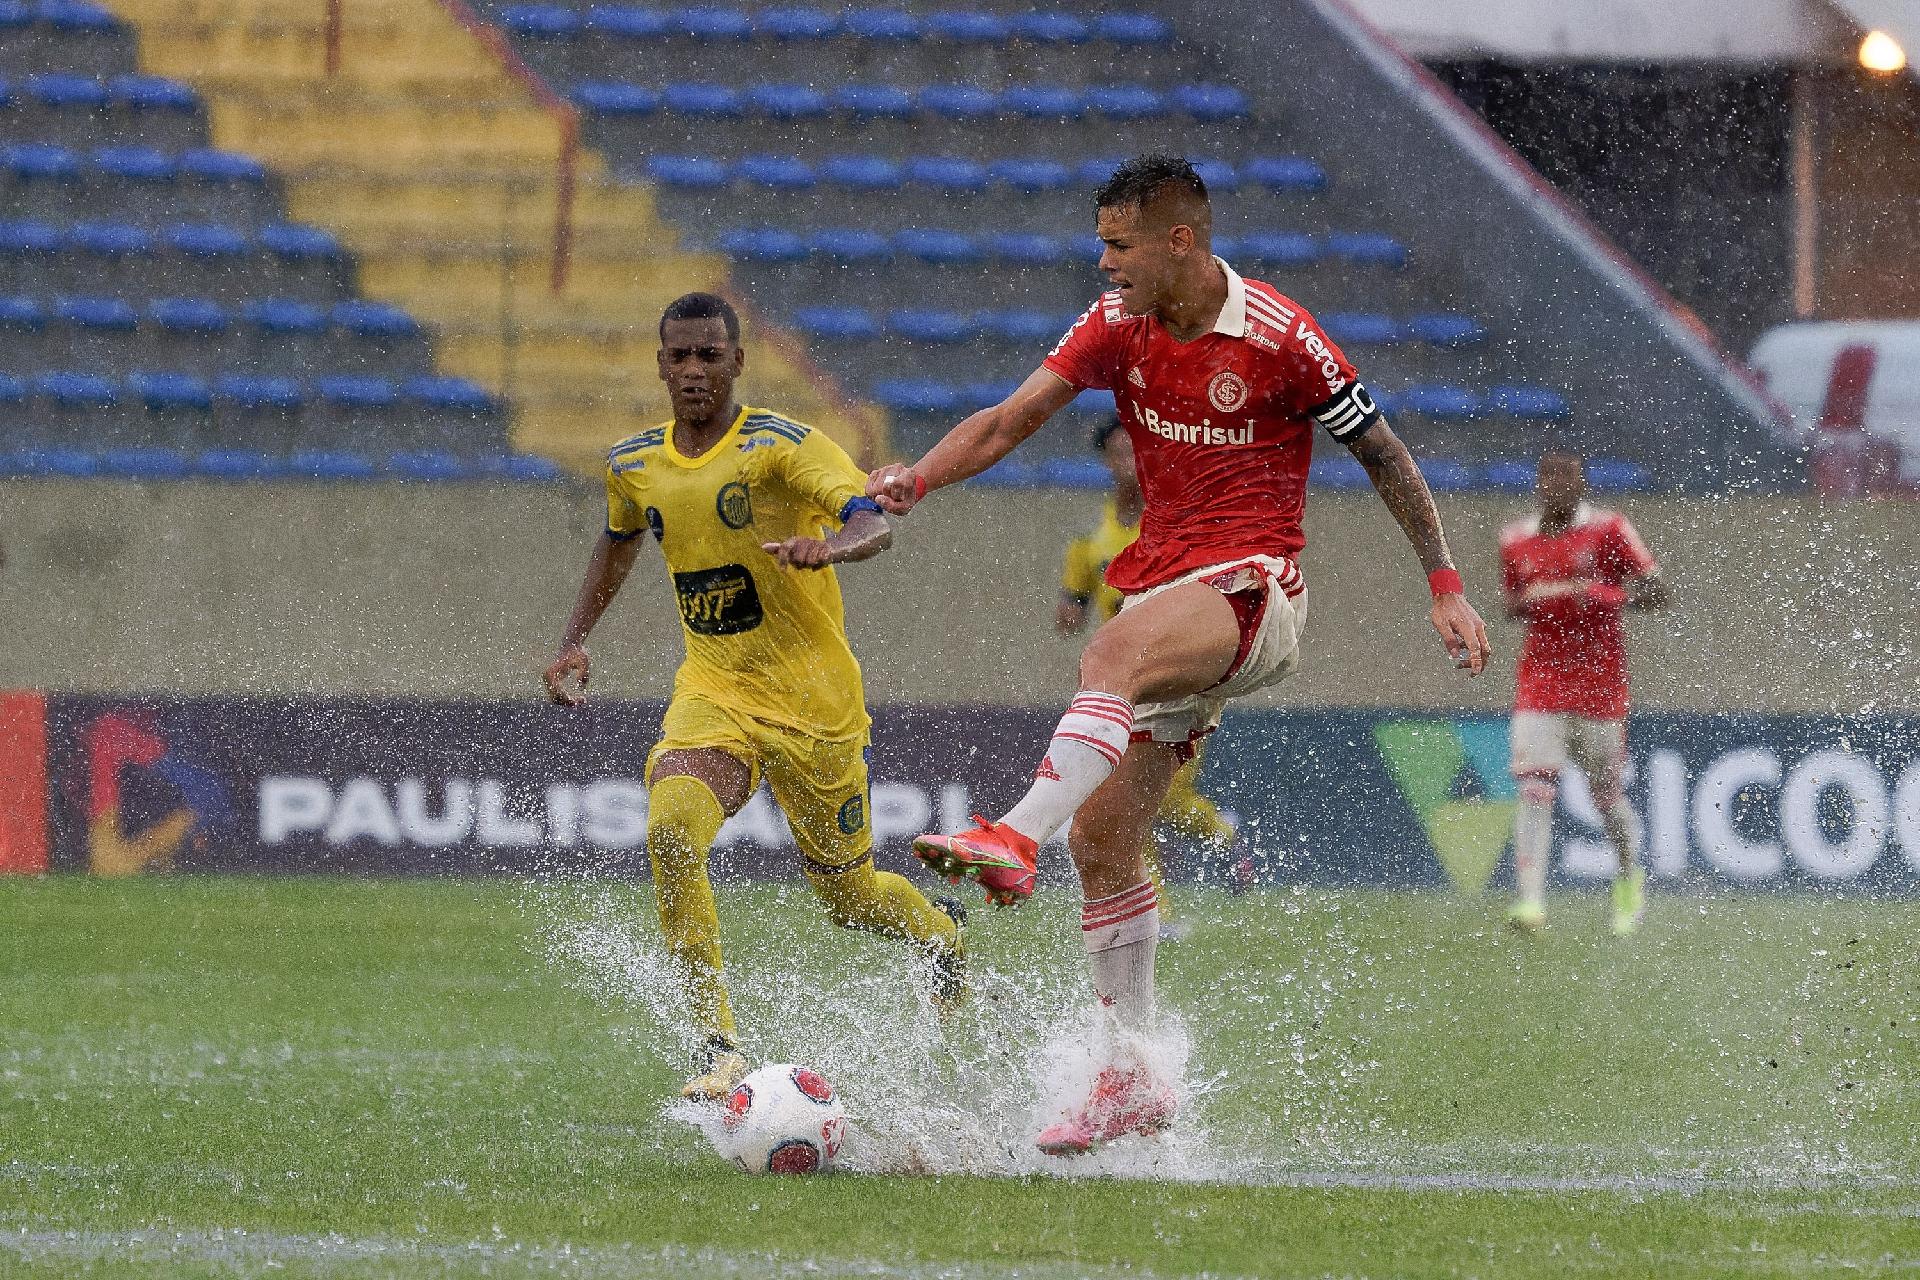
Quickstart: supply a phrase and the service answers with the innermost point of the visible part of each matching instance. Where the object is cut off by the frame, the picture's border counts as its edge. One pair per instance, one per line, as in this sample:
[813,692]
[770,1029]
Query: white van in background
[1853,388]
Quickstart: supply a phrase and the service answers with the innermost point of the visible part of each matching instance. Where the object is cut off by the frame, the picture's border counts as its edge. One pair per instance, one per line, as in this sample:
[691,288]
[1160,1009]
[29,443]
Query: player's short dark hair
[701,306]
[1104,432]
[1144,179]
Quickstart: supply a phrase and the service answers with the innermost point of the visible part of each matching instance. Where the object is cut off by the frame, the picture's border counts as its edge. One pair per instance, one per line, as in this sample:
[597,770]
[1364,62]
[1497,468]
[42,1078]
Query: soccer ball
[783,1119]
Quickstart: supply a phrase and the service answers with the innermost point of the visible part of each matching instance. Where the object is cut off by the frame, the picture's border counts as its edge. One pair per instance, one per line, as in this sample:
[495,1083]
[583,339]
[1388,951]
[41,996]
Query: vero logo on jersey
[1329,367]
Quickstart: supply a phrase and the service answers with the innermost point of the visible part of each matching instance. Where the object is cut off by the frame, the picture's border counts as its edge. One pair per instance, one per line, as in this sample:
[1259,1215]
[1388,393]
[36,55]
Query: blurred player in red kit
[1220,381]
[1570,572]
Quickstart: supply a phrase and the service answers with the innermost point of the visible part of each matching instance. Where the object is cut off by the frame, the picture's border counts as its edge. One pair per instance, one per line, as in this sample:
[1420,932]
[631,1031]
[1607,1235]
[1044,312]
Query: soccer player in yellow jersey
[1083,588]
[751,511]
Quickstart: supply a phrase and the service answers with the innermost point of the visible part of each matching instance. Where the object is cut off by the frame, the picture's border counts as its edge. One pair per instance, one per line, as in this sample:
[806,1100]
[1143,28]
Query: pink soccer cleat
[1123,1101]
[1000,858]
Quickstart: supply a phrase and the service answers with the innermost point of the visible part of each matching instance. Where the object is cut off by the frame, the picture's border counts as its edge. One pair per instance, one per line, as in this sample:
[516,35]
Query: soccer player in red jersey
[1221,381]
[1569,572]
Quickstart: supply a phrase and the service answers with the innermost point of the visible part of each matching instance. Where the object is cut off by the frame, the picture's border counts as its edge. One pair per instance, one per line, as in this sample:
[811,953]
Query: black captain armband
[1348,415]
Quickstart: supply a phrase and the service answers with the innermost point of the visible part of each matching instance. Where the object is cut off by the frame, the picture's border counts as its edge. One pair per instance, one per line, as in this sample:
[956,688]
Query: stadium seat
[330,464]
[1367,249]
[797,23]
[775,173]
[962,102]
[1446,329]
[347,392]
[1285,174]
[703,100]
[222,167]
[1073,473]
[789,101]
[1132,28]
[938,248]
[1094,173]
[863,173]
[628,22]
[1443,475]
[145,463]
[188,315]
[1044,102]
[615,98]
[284,316]
[152,94]
[1360,328]
[1032,175]
[76,390]
[1093,403]
[837,324]
[1021,327]
[1212,102]
[1536,404]
[873,101]
[71,16]
[541,21]
[1280,249]
[366,319]
[984,395]
[1027,249]
[1509,477]
[205,240]
[432,465]
[947,173]
[236,464]
[39,161]
[71,463]
[111,315]
[245,391]
[521,467]
[135,164]
[915,395]
[63,91]
[109,239]
[20,313]
[689,173]
[763,244]
[1440,401]
[851,245]
[1042,26]
[1126,102]
[931,327]
[170,392]
[713,23]
[1221,178]
[882,24]
[457,395]
[1612,475]
[968,26]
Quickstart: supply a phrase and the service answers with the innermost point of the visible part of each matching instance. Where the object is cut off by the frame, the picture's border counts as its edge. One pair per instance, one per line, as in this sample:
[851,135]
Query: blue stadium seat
[874,101]
[1126,102]
[690,173]
[931,326]
[1044,26]
[22,314]
[837,324]
[1613,475]
[1032,175]
[1221,178]
[523,467]
[947,173]
[152,93]
[704,100]
[77,16]
[628,21]
[208,240]
[55,462]
[1073,473]
[1132,28]
[110,239]
[615,98]
[1362,328]
[188,315]
[915,395]
[1441,400]
[1286,174]
[355,391]
[882,24]
[797,23]
[237,464]
[30,237]
[938,248]
[61,90]
[330,464]
[1097,404]
[366,319]
[227,167]
[1094,173]
[541,21]
[1447,329]
[169,392]
[13,389]
[959,102]
[145,463]
[297,242]
[431,465]
[1368,249]
[459,395]
[1444,475]
[851,245]
[1026,249]
[968,26]
[15,15]
[984,395]
[1280,248]
[1044,102]
[763,244]
[1508,476]
[712,23]
[109,315]
[776,173]
[863,172]
[76,390]
[284,316]
[1212,102]
[1537,404]
[30,161]
[245,391]
[1022,327]
[136,164]
[789,101]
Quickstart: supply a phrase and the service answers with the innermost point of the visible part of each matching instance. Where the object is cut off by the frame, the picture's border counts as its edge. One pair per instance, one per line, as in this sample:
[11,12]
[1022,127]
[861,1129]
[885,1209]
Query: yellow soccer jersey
[768,641]
[1083,576]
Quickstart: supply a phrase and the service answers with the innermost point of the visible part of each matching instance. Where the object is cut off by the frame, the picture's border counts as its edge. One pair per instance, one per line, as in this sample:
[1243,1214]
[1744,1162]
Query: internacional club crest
[1228,391]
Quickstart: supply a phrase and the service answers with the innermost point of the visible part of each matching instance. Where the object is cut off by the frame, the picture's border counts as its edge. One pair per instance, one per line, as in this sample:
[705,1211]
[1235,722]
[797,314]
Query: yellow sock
[859,897]
[683,817]
[1192,816]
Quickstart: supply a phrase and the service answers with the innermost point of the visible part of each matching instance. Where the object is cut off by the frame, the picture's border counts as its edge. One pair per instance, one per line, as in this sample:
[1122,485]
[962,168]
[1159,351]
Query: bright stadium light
[1881,52]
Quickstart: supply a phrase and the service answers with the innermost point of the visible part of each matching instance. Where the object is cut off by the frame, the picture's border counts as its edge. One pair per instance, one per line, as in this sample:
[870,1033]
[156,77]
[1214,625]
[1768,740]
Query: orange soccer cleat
[1000,858]
[1123,1101]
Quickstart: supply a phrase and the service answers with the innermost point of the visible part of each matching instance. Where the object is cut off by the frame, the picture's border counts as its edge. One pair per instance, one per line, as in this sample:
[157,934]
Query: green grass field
[350,1078]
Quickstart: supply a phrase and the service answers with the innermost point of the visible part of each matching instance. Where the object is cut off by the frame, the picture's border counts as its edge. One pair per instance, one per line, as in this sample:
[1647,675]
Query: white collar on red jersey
[1583,513]
[1232,319]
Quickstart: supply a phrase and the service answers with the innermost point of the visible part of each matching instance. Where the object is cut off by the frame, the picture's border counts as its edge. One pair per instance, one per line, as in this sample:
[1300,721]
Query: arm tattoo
[1398,480]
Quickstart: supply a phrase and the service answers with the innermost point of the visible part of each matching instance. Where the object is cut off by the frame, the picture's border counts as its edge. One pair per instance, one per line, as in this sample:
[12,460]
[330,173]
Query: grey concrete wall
[454,590]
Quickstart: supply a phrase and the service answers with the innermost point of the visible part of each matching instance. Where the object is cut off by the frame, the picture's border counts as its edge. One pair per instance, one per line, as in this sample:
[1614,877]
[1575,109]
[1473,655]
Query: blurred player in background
[741,501]
[1569,572]
[1220,381]
[1185,813]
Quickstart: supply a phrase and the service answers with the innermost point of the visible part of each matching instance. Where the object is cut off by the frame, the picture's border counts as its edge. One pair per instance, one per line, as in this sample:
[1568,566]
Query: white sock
[1086,746]
[1532,833]
[1618,820]
[1121,932]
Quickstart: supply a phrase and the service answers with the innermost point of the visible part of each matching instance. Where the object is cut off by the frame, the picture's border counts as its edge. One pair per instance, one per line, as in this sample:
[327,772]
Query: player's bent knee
[683,817]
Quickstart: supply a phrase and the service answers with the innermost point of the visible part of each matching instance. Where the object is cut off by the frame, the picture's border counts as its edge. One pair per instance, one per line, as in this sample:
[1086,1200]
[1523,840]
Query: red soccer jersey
[1222,426]
[1575,655]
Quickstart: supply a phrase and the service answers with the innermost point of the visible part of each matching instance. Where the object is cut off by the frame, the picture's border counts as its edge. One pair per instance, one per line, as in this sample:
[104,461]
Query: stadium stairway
[432,157]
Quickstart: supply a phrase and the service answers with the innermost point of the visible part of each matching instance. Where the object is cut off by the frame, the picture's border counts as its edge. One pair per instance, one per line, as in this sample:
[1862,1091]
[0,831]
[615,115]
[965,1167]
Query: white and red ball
[783,1119]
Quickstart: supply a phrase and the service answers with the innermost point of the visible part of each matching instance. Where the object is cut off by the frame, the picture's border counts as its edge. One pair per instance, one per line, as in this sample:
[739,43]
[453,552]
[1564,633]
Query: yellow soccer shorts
[820,785]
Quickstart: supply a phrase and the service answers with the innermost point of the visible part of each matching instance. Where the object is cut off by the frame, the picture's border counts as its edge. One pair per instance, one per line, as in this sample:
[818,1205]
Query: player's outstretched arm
[1397,479]
[978,442]
[607,568]
[865,535]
